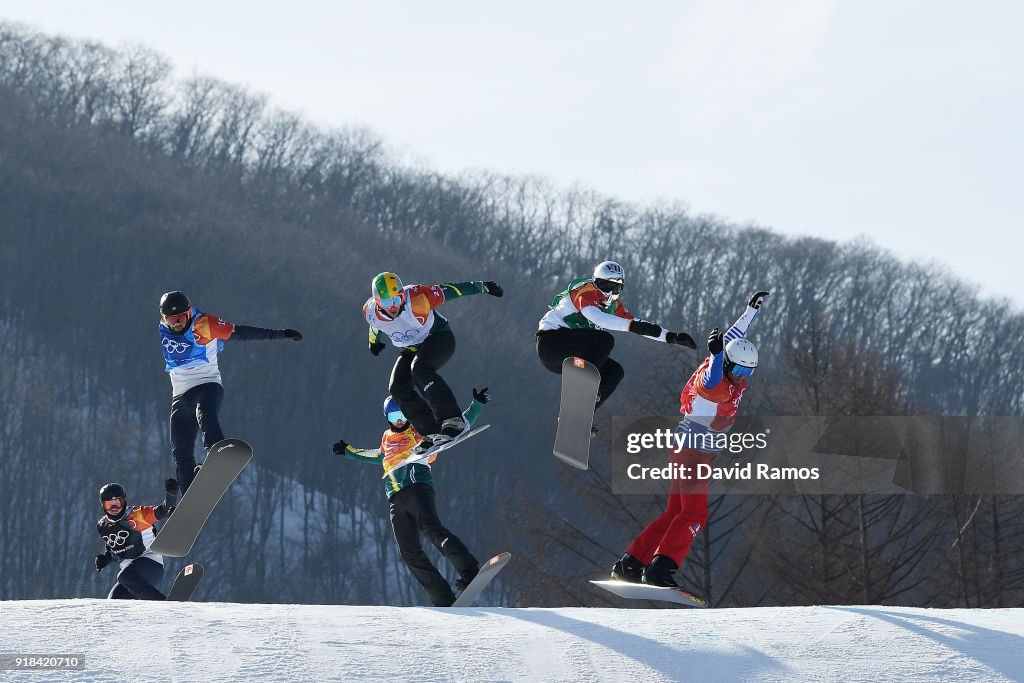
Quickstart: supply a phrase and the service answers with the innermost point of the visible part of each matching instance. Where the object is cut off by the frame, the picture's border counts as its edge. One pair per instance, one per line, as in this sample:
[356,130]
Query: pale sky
[898,121]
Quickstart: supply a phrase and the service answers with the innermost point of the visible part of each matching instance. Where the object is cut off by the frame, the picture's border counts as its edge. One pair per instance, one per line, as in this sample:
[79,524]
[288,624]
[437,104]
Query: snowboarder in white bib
[127,534]
[410,491]
[577,321]
[406,315]
[192,341]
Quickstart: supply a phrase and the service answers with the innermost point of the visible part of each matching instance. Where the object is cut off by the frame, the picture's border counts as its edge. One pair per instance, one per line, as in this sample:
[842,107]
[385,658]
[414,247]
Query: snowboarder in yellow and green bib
[407,316]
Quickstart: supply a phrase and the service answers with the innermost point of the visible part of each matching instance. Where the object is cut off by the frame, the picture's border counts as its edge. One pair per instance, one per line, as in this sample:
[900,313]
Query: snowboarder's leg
[407,534]
[644,545]
[412,404]
[593,346]
[693,515]
[119,592]
[450,545]
[208,399]
[140,579]
[433,353]
[184,430]
[611,374]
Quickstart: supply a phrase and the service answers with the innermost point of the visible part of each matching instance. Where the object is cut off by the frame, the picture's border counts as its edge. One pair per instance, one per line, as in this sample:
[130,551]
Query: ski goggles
[179,319]
[396,416]
[391,301]
[108,503]
[608,286]
[741,371]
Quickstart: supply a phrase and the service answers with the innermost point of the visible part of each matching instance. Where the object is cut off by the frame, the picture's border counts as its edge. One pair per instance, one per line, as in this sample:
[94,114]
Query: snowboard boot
[660,572]
[424,445]
[628,568]
[466,578]
[452,428]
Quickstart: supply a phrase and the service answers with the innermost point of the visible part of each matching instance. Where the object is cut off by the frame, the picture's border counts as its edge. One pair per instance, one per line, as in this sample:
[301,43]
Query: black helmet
[112,491]
[174,303]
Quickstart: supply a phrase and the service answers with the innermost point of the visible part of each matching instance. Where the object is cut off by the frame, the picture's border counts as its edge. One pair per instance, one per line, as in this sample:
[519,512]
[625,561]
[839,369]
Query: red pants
[672,533]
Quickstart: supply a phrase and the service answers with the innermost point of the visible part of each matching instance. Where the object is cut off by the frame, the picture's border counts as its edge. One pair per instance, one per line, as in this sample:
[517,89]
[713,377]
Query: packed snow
[139,641]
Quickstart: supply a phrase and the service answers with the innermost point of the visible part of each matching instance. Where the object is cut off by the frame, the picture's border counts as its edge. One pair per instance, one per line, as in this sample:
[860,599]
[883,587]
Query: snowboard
[580,381]
[641,591]
[479,583]
[413,459]
[224,462]
[186,582]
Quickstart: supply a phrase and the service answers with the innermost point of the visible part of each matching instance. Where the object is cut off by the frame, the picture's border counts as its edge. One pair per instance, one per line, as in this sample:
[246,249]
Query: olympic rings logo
[174,347]
[399,337]
[116,540]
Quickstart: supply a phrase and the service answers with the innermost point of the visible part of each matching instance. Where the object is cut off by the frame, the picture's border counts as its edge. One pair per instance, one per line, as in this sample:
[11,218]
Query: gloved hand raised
[171,486]
[756,299]
[493,288]
[339,447]
[483,396]
[715,343]
[294,335]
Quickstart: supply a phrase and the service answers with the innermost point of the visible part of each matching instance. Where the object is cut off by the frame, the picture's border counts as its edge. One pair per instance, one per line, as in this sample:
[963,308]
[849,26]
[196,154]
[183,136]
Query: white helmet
[741,357]
[609,270]
[608,278]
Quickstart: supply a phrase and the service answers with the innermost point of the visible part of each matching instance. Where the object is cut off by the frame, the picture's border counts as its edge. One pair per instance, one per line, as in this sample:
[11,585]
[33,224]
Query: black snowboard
[186,582]
[224,462]
[580,381]
[478,584]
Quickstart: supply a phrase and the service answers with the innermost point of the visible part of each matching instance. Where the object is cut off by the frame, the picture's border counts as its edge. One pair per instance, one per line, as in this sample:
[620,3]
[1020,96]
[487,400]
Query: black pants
[422,394]
[196,409]
[593,346]
[138,581]
[413,511]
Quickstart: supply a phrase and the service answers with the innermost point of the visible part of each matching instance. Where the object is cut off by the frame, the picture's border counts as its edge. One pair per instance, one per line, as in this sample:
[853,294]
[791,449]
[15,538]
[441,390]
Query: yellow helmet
[388,293]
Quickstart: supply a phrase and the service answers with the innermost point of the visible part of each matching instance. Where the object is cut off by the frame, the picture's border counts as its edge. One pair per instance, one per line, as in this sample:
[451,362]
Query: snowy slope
[132,641]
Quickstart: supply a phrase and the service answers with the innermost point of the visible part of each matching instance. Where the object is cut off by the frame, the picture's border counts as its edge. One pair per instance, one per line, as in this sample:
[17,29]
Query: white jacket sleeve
[605,321]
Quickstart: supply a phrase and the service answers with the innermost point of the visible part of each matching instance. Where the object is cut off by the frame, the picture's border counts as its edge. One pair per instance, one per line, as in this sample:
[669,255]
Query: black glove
[294,335]
[493,288]
[680,338]
[339,447]
[102,561]
[756,299]
[483,396]
[645,328]
[171,486]
[377,347]
[715,344]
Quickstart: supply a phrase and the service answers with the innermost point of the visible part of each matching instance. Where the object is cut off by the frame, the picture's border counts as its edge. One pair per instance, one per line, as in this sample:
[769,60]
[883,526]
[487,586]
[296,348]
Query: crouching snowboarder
[127,534]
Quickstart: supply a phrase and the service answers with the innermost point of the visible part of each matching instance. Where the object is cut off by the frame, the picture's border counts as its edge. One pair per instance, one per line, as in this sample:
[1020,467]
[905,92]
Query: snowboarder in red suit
[709,403]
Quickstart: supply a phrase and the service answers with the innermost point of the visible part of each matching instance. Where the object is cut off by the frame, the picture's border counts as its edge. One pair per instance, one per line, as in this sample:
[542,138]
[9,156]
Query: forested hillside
[120,180]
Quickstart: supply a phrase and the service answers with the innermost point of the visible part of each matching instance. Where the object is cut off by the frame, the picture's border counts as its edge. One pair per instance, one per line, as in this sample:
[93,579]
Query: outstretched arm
[621,323]
[342,447]
[249,333]
[739,328]
[209,327]
[453,290]
[472,413]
